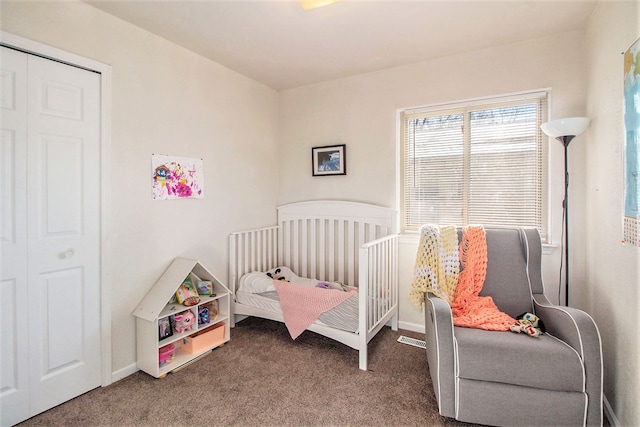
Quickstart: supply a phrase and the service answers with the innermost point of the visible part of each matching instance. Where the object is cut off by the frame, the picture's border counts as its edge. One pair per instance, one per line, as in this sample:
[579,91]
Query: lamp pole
[565,140]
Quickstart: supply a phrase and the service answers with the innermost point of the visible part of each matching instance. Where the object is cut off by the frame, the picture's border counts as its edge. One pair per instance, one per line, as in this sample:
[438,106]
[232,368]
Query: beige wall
[611,289]
[362,112]
[166,100]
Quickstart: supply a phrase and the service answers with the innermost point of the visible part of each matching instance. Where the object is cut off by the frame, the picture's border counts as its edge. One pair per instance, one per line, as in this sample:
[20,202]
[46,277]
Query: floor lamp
[564,130]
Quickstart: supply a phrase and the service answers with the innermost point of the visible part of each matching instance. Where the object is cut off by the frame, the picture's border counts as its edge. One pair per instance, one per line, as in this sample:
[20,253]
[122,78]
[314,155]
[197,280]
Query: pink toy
[165,355]
[184,321]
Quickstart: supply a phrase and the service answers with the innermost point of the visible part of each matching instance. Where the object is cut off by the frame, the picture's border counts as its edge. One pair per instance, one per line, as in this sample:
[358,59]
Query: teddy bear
[530,324]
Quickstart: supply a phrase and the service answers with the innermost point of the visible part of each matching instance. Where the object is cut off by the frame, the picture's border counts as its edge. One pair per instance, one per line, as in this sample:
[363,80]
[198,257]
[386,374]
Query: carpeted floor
[263,378]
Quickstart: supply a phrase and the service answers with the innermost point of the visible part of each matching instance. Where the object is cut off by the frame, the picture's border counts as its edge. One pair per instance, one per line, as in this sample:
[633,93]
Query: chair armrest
[577,329]
[440,351]
[571,325]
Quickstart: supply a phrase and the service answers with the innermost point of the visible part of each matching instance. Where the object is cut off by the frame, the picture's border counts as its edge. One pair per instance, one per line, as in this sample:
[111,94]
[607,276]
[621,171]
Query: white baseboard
[124,372]
[608,412]
[413,327]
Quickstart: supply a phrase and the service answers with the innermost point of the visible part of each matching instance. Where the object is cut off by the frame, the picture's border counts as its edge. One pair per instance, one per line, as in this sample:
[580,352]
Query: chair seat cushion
[543,362]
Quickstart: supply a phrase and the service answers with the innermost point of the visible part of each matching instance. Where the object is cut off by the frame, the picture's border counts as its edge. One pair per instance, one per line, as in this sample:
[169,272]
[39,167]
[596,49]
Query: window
[476,163]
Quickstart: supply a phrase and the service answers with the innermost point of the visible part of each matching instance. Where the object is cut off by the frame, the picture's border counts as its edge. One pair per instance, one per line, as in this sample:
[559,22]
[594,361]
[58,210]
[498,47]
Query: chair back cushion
[507,281]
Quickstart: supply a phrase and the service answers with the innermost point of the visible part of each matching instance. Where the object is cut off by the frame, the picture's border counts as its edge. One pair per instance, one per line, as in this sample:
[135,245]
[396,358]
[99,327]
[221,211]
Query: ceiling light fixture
[313,4]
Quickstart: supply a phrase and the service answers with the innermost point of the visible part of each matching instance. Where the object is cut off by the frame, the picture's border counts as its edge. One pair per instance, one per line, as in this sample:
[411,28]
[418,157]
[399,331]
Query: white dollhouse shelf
[155,306]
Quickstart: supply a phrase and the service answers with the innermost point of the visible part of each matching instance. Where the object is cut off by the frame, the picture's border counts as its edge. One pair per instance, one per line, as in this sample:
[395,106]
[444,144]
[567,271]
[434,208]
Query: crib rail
[252,250]
[378,284]
[325,248]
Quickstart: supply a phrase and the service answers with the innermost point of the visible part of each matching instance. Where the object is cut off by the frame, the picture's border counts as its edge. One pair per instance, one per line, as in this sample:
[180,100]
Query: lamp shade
[566,127]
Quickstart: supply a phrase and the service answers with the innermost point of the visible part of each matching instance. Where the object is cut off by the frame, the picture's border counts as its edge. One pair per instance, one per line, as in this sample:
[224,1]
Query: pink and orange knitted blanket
[468,308]
[301,305]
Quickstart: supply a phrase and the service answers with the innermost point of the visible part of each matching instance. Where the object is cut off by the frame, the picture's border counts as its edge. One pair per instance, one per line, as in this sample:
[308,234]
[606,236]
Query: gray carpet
[263,378]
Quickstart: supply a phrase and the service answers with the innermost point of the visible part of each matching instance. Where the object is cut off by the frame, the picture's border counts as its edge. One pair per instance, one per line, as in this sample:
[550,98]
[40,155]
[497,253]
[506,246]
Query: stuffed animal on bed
[258,283]
[332,285]
[277,275]
[530,324]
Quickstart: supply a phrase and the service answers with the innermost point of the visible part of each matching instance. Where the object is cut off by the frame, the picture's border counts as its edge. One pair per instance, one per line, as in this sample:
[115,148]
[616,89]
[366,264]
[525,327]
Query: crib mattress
[344,316]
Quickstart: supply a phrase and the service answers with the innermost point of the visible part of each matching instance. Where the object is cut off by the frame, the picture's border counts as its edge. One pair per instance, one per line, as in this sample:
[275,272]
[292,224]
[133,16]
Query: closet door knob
[68,253]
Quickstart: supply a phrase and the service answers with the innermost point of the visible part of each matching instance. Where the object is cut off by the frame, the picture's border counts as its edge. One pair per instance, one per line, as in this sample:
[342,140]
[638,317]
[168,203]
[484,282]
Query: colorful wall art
[177,177]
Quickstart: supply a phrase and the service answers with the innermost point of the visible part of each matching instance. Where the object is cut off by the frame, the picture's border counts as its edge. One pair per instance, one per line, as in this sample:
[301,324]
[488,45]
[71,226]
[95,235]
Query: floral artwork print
[177,177]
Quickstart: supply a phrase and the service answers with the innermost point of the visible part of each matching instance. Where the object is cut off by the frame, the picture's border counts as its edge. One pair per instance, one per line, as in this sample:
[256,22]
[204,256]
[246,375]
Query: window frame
[543,96]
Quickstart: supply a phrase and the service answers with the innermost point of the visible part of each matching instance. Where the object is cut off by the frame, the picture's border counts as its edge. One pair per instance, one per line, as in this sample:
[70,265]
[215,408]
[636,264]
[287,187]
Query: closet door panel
[64,234]
[62,322]
[62,184]
[14,374]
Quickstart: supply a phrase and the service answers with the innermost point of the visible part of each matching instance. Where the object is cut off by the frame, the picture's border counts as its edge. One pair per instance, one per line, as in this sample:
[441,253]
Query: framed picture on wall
[329,160]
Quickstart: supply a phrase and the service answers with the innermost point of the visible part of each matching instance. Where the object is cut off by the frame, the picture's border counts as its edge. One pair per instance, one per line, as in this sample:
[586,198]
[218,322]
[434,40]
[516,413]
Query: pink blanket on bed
[301,305]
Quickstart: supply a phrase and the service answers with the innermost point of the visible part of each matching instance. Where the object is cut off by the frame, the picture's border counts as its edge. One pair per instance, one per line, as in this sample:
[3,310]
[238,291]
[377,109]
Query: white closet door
[14,379]
[60,251]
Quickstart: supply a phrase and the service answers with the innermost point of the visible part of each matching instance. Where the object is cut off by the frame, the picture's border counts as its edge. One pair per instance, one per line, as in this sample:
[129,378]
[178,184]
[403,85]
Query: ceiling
[278,43]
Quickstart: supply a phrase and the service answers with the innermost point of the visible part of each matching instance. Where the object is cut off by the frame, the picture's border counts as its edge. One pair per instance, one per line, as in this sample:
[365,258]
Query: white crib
[354,243]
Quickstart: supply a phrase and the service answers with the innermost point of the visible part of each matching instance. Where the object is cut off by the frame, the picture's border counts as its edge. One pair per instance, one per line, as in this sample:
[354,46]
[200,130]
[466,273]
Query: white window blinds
[476,164]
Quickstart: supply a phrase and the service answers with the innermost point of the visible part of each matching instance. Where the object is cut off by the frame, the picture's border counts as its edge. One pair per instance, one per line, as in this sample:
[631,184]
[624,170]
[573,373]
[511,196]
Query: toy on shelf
[165,355]
[203,315]
[184,321]
[187,293]
[213,308]
[205,287]
[207,312]
[164,328]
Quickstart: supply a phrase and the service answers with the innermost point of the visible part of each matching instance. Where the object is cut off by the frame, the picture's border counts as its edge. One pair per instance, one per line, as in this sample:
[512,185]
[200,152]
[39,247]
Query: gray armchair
[504,378]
